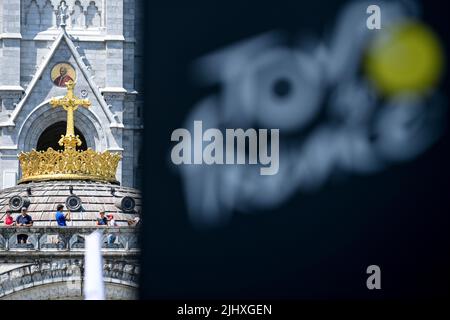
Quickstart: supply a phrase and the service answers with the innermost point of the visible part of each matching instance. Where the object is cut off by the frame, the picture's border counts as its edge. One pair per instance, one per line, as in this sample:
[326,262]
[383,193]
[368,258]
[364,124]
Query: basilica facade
[44,43]
[69,71]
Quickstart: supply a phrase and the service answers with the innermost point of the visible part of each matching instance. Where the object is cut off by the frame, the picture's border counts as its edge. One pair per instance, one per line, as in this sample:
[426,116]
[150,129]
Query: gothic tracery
[41,15]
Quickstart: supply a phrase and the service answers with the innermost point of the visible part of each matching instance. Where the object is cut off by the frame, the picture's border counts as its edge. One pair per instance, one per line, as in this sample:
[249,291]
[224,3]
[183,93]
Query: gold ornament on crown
[69,164]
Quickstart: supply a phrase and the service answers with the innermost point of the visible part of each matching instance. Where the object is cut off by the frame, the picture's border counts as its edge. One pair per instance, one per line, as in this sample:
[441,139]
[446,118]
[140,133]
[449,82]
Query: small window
[139,111]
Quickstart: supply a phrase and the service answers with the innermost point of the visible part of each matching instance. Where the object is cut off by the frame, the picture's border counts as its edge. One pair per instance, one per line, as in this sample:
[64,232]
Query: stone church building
[100,50]
[43,45]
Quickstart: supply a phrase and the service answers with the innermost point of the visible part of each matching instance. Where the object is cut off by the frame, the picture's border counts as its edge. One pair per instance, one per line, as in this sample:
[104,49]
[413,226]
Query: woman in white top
[112,223]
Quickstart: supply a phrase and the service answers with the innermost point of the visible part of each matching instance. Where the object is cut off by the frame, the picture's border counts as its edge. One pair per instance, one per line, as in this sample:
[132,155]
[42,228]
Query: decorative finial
[70,103]
[63,14]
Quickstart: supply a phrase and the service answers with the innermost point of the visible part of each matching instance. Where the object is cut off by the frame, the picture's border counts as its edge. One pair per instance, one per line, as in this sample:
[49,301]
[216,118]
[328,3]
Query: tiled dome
[43,197]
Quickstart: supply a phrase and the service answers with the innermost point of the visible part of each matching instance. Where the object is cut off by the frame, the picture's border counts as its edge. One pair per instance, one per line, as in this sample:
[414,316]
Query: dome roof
[85,198]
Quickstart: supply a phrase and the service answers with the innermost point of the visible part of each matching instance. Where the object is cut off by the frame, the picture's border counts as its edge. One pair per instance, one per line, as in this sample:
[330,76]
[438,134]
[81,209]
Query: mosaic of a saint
[61,73]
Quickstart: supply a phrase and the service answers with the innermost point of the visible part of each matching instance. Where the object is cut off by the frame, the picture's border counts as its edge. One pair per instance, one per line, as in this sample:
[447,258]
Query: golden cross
[70,103]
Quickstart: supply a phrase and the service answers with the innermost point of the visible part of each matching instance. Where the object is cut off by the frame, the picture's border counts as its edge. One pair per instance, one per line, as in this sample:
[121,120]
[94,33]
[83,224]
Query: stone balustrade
[63,239]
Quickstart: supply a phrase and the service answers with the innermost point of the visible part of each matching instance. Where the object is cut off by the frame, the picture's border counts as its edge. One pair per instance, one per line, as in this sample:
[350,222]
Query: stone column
[10,89]
[128,162]
[10,45]
[9,168]
[114,97]
[9,97]
[114,46]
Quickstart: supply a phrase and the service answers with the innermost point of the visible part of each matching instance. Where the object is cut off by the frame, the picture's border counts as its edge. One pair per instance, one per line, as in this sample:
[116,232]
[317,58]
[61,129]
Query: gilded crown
[70,163]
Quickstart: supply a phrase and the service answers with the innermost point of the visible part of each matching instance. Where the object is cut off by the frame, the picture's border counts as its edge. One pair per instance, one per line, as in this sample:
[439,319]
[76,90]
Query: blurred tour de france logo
[353,101]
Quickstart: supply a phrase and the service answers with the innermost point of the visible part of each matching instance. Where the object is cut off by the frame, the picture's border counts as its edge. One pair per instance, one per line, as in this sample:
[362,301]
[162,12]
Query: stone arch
[61,278]
[35,131]
[77,241]
[32,241]
[85,121]
[49,137]
[78,16]
[48,19]
[118,241]
[93,15]
[32,16]
[52,241]
[59,290]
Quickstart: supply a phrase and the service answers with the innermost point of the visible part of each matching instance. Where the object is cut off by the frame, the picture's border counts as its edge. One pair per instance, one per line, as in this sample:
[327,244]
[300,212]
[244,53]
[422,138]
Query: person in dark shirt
[60,217]
[23,220]
[102,221]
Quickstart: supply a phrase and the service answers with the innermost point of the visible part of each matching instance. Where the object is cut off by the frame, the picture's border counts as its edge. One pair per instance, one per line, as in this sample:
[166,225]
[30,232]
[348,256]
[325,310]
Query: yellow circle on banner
[61,73]
[405,57]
